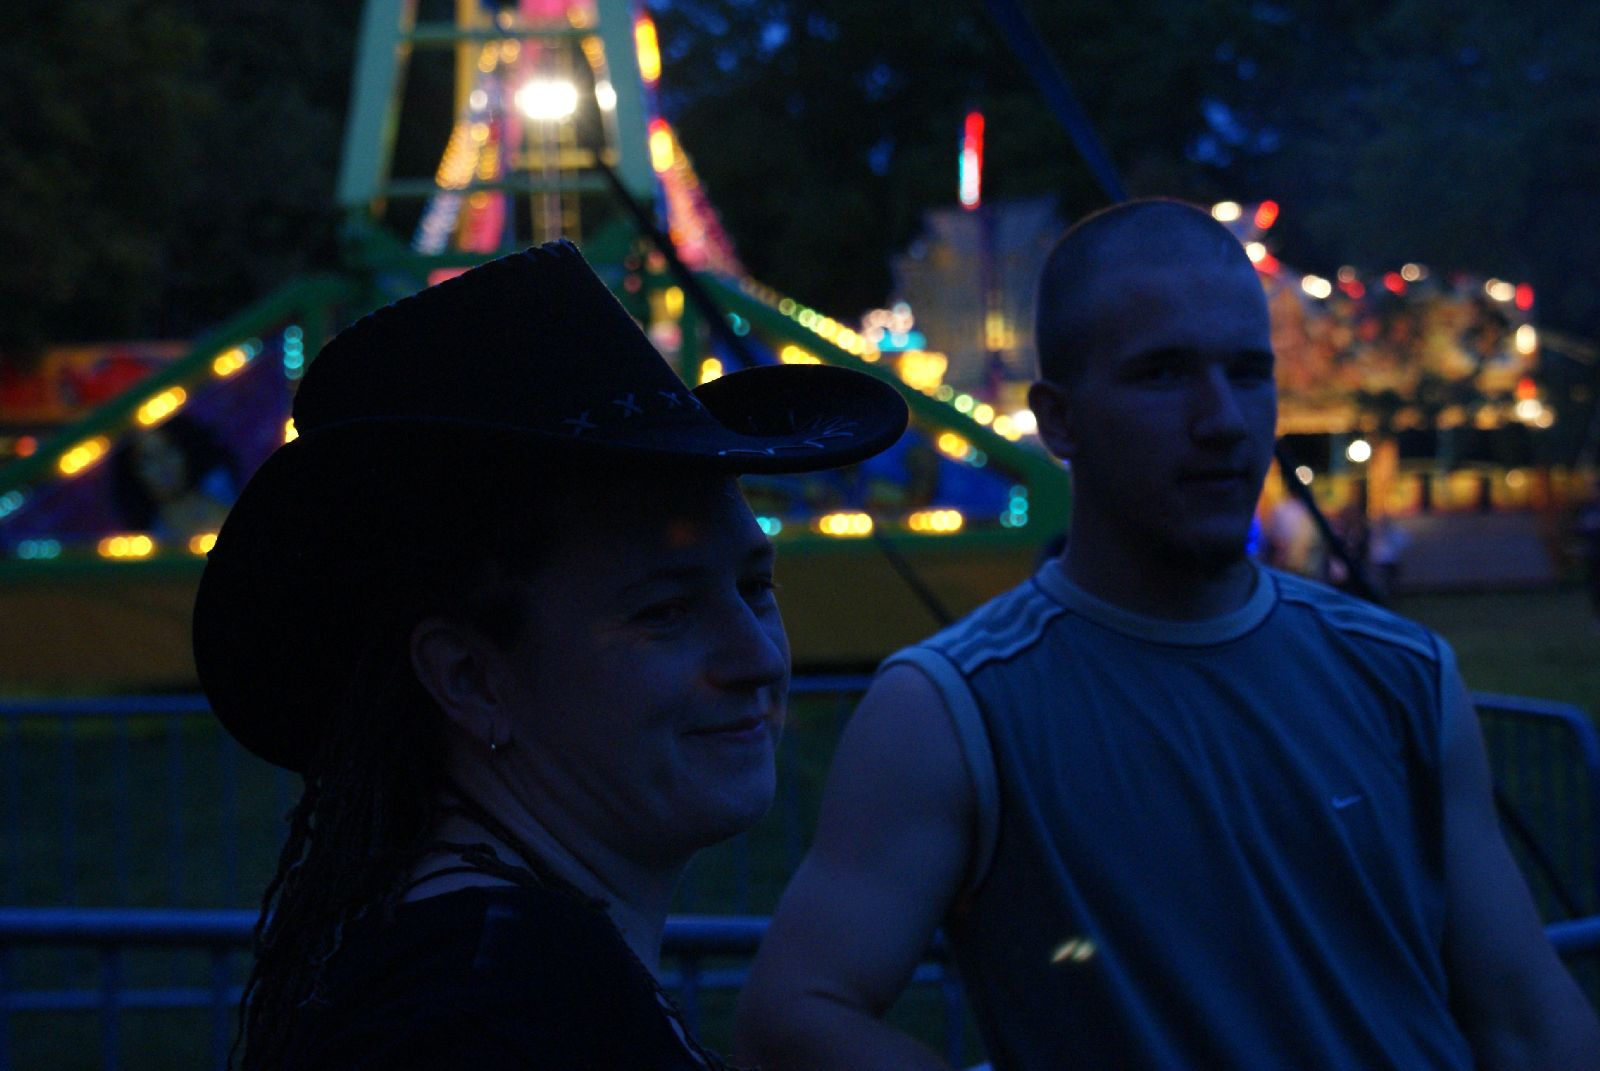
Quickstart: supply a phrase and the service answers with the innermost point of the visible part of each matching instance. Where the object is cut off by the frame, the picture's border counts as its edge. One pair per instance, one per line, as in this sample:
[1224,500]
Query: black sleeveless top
[488,979]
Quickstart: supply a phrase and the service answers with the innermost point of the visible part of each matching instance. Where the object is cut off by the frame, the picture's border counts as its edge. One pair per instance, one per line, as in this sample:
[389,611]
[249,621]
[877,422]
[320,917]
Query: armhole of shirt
[1454,701]
[973,740]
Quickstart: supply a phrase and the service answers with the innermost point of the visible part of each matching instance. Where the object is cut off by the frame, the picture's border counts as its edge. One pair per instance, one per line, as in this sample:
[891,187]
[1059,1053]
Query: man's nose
[1217,412]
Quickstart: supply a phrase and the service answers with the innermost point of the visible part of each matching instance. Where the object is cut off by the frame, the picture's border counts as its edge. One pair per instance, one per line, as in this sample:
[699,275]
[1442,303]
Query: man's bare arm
[1515,1001]
[891,852]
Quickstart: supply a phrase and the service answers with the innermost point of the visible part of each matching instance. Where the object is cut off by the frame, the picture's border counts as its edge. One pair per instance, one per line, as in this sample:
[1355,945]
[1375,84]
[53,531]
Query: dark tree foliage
[100,103]
[262,207]
[1460,136]
[824,130]
[163,162]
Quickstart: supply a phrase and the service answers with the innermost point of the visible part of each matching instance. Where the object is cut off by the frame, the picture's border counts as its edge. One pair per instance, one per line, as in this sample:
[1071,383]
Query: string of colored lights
[149,412]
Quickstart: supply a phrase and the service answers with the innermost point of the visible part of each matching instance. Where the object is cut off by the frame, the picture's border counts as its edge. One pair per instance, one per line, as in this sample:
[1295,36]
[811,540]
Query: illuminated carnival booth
[1429,401]
[104,525]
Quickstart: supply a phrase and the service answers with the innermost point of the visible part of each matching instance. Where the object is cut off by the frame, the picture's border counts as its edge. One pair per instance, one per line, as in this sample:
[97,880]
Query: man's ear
[1052,409]
[457,666]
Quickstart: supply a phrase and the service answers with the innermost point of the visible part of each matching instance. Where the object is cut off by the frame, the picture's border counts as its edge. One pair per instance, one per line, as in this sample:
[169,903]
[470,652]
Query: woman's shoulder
[487,977]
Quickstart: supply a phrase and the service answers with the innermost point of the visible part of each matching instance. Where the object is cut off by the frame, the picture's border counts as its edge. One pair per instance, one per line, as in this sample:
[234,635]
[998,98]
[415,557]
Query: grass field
[1542,644]
[89,820]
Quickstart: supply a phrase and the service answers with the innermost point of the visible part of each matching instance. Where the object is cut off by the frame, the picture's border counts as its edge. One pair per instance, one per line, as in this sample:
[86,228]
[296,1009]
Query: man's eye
[1155,373]
[667,612]
[759,589]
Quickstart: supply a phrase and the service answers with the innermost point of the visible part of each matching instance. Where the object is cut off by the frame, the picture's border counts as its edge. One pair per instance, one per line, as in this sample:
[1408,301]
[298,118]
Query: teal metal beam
[622,64]
[1050,487]
[518,182]
[448,34]
[374,102]
[312,295]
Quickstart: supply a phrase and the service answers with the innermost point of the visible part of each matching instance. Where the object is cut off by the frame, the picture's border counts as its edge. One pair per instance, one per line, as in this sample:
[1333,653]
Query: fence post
[228,764]
[122,820]
[69,798]
[110,1007]
[689,992]
[14,805]
[5,1007]
[175,895]
[221,1006]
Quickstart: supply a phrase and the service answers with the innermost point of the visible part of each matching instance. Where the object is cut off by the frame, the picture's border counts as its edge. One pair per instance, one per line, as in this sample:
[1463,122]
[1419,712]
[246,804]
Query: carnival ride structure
[554,131]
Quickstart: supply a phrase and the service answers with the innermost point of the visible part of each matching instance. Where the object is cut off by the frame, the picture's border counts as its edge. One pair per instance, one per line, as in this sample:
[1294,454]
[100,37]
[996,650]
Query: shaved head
[1111,249]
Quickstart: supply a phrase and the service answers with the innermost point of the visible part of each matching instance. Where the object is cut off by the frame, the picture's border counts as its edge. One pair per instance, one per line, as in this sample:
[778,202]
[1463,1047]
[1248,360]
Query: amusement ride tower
[551,129]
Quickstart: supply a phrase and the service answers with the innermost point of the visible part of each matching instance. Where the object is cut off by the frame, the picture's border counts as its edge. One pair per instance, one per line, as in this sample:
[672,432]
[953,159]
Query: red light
[1266,214]
[1527,388]
[1393,283]
[1524,299]
[25,446]
[970,179]
[1268,264]
[1353,289]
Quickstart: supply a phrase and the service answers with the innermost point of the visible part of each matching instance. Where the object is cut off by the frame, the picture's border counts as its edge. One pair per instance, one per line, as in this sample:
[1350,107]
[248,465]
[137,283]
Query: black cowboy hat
[530,353]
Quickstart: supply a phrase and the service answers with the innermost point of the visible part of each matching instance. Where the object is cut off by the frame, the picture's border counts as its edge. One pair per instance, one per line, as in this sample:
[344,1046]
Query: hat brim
[329,518]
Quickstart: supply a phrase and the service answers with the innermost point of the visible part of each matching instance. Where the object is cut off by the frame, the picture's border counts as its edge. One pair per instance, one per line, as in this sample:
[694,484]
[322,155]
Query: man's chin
[1213,556]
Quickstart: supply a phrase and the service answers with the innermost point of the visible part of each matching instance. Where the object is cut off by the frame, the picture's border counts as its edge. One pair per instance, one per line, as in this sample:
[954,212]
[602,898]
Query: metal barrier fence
[697,951]
[1545,758]
[144,808]
[171,830]
[144,801]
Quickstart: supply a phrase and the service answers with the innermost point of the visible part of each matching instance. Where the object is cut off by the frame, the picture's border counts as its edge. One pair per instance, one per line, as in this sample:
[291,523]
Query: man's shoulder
[1356,618]
[1005,626]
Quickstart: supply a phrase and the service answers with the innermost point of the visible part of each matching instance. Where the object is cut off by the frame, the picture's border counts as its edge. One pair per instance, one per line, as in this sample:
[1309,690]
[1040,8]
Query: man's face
[1169,428]
[652,677]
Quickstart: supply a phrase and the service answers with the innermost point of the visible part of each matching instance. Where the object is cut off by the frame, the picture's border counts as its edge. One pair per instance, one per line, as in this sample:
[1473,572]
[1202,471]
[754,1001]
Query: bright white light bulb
[547,99]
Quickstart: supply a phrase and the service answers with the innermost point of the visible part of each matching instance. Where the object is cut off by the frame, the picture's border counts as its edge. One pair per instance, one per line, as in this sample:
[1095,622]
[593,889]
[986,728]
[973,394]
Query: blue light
[38,549]
[11,501]
[770,525]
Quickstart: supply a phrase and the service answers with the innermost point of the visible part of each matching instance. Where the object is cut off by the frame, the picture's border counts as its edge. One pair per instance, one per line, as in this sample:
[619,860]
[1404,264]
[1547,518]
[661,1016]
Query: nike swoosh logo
[1341,802]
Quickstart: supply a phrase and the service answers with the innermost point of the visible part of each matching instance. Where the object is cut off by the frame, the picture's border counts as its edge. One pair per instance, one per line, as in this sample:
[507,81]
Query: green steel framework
[374,256]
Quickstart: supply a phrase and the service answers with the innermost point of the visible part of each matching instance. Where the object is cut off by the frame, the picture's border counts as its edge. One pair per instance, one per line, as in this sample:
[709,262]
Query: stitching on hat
[828,428]
[630,405]
[582,424]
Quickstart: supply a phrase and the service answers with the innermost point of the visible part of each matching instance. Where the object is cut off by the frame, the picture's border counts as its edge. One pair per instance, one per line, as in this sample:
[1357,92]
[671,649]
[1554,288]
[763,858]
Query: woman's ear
[1052,409]
[457,666]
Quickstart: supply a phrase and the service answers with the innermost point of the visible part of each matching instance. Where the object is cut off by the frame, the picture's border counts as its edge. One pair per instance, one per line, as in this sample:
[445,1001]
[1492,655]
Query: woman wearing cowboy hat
[502,605]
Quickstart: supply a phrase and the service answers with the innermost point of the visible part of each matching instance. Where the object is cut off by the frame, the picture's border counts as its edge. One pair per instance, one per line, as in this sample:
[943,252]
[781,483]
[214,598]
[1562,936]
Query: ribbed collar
[1052,579]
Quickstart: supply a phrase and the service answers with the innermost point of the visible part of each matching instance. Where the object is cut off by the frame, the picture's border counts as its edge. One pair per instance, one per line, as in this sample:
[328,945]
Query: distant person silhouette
[174,481]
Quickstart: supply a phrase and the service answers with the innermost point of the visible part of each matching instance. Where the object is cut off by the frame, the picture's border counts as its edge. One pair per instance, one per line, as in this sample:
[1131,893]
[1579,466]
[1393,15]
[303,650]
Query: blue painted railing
[157,773]
[690,941]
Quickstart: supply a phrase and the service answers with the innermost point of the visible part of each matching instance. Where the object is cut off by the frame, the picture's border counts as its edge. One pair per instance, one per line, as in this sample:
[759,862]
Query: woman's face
[652,674]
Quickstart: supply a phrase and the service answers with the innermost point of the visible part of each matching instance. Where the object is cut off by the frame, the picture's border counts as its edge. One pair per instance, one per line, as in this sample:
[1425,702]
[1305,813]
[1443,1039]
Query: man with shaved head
[1173,809]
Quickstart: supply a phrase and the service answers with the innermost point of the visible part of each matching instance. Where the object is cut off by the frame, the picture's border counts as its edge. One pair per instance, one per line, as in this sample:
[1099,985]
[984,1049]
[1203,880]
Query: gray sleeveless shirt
[1207,844]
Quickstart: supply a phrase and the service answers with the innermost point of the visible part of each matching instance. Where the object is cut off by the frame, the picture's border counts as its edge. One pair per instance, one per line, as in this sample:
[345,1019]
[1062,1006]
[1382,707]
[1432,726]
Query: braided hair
[372,793]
